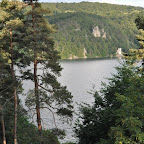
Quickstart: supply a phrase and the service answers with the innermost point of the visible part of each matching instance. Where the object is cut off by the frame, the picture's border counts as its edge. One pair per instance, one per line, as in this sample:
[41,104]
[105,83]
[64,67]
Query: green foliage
[11,22]
[39,40]
[76,21]
[75,34]
[137,55]
[18,43]
[140,21]
[117,114]
[27,132]
[6,97]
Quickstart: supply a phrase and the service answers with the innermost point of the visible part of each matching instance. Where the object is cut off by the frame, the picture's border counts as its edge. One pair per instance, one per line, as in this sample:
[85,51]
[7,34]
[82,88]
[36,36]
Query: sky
[123,2]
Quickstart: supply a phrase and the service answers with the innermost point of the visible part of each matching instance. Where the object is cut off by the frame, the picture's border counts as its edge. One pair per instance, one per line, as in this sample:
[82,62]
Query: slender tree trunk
[3,129]
[15,117]
[15,94]
[37,98]
[35,78]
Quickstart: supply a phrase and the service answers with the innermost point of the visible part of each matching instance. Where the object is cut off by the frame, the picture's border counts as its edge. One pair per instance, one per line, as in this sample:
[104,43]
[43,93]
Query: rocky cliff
[97,32]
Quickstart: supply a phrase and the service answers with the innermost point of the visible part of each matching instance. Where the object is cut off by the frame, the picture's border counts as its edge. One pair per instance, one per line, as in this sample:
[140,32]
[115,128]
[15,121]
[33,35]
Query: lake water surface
[80,77]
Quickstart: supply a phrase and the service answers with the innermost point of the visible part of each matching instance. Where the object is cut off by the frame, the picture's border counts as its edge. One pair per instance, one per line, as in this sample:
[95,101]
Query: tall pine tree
[10,41]
[47,93]
[5,91]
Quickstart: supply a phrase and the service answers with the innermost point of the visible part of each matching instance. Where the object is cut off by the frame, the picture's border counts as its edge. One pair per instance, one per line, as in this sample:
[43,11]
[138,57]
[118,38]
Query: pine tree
[4,76]
[138,54]
[48,93]
[6,91]
[11,24]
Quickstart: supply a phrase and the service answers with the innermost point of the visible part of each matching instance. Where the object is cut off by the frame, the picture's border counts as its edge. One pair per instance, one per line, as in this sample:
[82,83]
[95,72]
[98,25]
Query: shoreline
[94,58]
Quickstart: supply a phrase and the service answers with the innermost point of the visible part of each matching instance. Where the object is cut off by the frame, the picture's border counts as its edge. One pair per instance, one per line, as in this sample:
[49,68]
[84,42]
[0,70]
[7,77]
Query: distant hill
[93,29]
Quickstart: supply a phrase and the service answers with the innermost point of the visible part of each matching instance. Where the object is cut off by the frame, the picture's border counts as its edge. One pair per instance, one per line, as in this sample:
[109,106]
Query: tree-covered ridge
[76,22]
[76,33]
[88,7]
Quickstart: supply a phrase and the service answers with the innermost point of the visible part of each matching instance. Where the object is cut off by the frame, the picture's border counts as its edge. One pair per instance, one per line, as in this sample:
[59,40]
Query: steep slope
[93,29]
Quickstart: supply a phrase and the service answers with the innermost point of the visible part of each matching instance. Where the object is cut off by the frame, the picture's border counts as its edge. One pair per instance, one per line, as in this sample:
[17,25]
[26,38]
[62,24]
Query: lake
[80,77]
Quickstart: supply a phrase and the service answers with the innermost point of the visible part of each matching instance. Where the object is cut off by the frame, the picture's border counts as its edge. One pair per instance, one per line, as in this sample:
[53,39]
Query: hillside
[93,29]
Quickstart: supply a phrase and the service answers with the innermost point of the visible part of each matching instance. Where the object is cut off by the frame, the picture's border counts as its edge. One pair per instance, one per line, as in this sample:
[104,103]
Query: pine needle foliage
[48,92]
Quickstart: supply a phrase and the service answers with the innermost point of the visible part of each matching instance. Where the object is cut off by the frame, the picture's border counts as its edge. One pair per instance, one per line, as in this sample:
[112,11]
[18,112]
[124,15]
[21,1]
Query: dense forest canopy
[93,29]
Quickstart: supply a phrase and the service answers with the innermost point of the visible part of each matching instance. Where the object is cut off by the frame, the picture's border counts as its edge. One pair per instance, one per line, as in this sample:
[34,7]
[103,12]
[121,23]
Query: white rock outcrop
[96,32]
[84,53]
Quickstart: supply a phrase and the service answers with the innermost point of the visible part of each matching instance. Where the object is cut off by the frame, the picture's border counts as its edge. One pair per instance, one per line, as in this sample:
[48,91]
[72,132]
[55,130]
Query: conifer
[48,93]
[11,24]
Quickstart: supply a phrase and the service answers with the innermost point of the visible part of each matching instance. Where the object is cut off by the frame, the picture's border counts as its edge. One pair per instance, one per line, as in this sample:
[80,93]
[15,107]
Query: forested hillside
[93,29]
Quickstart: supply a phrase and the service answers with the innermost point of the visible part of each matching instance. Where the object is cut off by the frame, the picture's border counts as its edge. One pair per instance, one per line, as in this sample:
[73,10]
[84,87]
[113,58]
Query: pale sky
[123,2]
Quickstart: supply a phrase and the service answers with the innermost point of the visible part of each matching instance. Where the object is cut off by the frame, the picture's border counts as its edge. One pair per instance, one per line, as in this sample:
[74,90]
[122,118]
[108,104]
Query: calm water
[80,77]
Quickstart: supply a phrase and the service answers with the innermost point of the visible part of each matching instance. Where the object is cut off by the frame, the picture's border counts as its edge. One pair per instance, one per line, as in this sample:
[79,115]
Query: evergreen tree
[137,55]
[140,38]
[5,91]
[118,112]
[13,53]
[48,93]
[11,24]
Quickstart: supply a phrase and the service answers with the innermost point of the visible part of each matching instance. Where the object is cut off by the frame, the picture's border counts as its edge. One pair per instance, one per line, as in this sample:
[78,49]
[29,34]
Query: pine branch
[45,89]
[6,88]
[52,114]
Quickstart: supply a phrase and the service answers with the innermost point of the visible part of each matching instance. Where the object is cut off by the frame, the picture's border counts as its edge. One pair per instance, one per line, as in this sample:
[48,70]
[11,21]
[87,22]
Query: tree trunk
[3,129]
[35,78]
[37,97]
[15,94]
[15,117]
